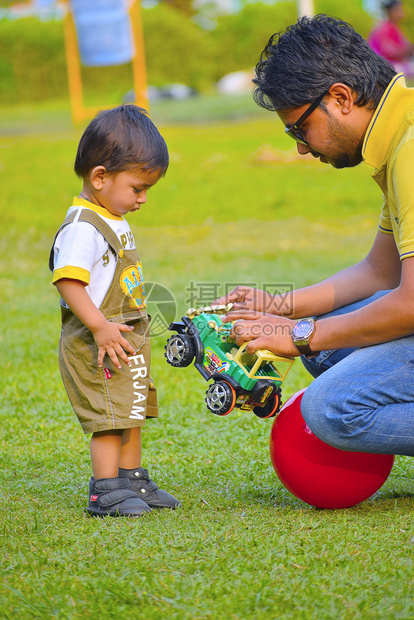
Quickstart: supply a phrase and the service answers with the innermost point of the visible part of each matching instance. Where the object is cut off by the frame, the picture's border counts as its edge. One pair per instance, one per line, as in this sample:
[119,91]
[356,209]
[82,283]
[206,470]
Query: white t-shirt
[82,252]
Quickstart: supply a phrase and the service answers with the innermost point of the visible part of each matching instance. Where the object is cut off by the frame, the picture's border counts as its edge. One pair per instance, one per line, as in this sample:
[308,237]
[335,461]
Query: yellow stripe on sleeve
[73,273]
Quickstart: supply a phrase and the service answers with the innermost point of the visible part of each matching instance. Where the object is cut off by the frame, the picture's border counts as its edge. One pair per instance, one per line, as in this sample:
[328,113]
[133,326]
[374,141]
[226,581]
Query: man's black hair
[119,139]
[300,63]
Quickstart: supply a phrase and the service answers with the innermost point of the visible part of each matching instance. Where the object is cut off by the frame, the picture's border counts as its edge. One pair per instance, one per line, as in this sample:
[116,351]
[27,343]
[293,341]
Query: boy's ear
[97,177]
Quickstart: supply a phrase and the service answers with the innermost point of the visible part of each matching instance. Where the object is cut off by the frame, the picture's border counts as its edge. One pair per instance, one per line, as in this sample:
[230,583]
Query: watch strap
[304,349]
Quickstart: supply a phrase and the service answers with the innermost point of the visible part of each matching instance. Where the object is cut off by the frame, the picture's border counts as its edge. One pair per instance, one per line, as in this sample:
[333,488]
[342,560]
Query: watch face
[303,329]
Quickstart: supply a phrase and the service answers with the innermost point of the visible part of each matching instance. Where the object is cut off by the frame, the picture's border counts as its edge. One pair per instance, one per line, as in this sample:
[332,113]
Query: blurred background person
[388,40]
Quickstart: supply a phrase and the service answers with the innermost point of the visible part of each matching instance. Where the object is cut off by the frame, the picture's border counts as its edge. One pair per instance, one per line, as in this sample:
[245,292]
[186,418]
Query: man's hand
[263,331]
[247,298]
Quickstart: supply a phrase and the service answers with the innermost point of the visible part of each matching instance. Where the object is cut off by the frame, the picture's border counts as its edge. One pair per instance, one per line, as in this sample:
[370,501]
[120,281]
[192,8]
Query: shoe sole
[104,513]
[160,506]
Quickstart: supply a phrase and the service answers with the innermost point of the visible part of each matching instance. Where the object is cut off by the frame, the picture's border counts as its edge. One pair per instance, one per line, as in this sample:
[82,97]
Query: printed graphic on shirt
[127,239]
[132,284]
[105,259]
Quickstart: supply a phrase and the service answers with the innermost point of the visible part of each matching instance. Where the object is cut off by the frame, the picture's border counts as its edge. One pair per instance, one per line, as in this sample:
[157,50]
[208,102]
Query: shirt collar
[396,101]
[82,202]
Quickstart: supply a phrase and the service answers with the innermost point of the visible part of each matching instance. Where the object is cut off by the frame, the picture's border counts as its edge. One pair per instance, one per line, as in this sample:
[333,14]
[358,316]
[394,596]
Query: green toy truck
[239,380]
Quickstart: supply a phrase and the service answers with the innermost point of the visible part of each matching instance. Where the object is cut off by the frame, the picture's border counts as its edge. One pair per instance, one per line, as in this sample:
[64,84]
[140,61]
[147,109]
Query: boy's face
[124,192]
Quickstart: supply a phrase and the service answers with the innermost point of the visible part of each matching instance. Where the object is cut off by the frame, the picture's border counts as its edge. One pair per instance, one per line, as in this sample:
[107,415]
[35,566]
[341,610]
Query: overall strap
[93,218]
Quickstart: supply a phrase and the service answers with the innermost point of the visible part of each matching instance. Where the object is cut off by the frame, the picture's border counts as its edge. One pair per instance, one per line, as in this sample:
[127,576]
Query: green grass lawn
[242,547]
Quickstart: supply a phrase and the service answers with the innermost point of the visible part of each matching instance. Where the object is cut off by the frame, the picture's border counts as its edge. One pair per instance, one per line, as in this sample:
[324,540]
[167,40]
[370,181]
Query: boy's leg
[108,493]
[146,488]
[130,454]
[141,483]
[362,400]
[105,449]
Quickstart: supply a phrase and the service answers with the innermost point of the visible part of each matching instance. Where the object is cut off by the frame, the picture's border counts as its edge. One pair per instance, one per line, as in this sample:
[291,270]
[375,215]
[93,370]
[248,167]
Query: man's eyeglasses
[294,130]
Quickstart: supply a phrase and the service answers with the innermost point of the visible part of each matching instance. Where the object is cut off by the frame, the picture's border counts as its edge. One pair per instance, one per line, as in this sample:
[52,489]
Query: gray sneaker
[146,488]
[114,497]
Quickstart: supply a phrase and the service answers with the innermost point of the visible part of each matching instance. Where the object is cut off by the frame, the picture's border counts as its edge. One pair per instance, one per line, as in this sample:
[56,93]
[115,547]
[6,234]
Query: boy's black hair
[300,63]
[119,139]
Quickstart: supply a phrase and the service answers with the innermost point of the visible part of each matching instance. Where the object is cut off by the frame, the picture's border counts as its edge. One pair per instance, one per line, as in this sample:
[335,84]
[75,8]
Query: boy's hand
[107,335]
[110,341]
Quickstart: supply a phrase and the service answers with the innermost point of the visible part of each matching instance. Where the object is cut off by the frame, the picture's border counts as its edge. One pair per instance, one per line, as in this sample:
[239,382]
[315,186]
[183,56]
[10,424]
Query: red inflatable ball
[317,473]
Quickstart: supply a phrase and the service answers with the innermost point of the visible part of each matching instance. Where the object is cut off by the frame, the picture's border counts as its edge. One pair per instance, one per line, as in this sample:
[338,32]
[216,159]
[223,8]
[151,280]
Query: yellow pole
[138,62]
[79,112]
[74,68]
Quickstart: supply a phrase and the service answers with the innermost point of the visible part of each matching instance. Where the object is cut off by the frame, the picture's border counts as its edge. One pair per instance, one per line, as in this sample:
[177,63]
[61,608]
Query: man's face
[329,139]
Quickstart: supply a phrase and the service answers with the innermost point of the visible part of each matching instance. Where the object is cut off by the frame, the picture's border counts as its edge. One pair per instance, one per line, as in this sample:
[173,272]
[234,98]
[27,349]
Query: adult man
[343,104]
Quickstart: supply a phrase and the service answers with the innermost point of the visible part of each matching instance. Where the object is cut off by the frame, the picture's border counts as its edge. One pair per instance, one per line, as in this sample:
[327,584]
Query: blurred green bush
[32,57]
[32,60]
[239,39]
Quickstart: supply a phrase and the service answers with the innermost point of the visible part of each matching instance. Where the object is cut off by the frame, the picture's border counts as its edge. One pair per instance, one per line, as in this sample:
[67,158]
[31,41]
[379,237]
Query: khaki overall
[109,398]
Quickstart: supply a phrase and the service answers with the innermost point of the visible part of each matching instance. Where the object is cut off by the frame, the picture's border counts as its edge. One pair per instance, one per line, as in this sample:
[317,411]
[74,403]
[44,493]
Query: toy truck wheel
[220,398]
[179,350]
[271,407]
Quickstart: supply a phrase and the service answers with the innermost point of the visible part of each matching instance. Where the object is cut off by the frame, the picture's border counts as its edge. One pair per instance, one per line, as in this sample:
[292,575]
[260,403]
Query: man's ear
[97,177]
[342,96]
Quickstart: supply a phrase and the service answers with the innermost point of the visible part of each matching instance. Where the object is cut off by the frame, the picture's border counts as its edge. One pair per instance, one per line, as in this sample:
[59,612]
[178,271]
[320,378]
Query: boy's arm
[107,334]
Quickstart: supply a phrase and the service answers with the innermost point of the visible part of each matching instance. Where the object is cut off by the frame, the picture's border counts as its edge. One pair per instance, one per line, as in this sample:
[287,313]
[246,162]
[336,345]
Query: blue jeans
[362,400]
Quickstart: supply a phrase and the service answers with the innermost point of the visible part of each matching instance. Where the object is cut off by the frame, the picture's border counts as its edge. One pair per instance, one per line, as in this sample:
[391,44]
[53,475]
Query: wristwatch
[301,333]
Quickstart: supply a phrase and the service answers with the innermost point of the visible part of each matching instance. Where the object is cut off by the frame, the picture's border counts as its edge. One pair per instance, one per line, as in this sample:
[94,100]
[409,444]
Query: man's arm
[386,319]
[107,334]
[380,270]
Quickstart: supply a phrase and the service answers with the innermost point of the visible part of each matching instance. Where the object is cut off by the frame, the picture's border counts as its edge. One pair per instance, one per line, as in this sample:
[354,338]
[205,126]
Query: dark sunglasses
[294,130]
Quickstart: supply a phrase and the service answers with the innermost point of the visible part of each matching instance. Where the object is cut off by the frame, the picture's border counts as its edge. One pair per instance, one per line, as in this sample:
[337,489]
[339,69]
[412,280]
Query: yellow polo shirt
[389,148]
